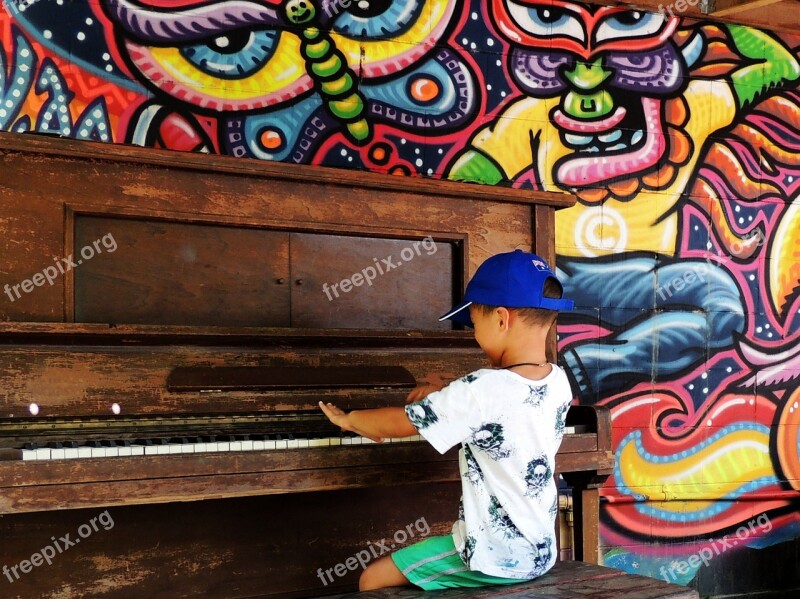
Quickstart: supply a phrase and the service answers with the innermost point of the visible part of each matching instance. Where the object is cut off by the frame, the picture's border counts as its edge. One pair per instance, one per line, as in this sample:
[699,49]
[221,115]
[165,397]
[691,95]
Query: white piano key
[43,453]
[365,441]
[71,453]
[173,448]
[236,446]
[187,448]
[355,440]
[28,454]
[347,441]
[248,445]
[56,454]
[98,452]
[150,449]
[262,445]
[302,443]
[223,446]
[319,442]
[292,444]
[282,444]
[162,449]
[84,452]
[112,452]
[334,441]
[137,450]
[125,451]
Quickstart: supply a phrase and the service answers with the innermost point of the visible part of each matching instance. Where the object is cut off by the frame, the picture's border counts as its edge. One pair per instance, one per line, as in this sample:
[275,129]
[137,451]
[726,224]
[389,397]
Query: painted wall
[681,137]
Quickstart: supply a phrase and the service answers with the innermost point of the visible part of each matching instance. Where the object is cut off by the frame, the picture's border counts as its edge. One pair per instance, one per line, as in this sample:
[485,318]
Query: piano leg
[586,515]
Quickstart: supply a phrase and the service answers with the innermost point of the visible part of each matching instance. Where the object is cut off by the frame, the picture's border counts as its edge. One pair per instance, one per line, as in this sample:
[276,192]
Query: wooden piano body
[214,319]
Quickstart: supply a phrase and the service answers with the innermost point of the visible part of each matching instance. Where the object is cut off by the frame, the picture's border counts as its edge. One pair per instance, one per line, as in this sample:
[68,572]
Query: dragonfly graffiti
[280,78]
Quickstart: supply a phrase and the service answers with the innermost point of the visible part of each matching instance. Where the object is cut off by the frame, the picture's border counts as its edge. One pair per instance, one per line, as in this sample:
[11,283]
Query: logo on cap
[540,265]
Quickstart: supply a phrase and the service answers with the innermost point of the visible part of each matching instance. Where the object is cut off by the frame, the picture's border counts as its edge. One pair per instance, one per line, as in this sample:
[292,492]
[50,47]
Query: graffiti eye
[633,23]
[546,21]
[233,54]
[377,19]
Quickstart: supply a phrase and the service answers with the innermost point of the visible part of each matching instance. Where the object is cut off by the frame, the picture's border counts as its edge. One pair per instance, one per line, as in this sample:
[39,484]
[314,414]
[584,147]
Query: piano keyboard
[69,450]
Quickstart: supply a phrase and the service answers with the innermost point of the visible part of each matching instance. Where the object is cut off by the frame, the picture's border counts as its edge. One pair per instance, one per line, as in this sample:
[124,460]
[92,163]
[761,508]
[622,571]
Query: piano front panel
[230,208]
[169,272]
[259,546]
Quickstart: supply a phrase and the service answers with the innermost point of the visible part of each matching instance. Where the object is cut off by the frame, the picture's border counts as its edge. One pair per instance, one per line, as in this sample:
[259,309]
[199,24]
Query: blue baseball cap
[512,280]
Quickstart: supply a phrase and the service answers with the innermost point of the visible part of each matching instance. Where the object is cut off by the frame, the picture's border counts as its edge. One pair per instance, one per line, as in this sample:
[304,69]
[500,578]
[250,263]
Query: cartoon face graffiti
[284,75]
[612,70]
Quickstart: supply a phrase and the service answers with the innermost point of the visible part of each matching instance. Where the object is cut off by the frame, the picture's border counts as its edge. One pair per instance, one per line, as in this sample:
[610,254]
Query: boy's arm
[377,424]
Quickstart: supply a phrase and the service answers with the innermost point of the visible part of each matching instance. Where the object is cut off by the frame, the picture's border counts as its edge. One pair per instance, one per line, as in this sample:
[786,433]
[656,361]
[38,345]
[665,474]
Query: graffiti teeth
[578,140]
[610,137]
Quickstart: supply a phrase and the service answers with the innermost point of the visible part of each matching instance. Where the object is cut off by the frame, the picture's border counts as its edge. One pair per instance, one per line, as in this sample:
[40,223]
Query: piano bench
[566,580]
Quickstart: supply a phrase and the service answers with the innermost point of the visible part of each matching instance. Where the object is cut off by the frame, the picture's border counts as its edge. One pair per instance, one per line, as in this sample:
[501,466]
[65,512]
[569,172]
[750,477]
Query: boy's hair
[533,316]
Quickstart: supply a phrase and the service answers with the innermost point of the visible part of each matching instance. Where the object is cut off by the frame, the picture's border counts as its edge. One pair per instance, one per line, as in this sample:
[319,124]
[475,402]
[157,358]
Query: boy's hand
[340,418]
[422,392]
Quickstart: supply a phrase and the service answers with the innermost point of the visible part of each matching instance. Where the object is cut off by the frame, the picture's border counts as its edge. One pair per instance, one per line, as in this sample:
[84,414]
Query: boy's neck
[526,347]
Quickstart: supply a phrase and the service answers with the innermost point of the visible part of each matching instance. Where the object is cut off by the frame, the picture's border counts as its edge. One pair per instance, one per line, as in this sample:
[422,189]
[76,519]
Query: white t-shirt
[510,428]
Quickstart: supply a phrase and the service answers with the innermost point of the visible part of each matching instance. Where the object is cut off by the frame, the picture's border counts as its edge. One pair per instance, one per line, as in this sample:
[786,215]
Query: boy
[509,421]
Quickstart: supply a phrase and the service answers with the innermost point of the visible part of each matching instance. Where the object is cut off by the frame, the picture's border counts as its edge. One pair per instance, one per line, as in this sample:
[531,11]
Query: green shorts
[434,564]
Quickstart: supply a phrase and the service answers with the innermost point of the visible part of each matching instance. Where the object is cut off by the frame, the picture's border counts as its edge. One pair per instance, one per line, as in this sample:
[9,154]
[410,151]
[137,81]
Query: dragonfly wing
[438,96]
[291,133]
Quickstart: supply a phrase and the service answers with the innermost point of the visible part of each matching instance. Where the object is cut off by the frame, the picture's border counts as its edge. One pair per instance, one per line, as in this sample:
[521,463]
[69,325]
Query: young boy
[509,421]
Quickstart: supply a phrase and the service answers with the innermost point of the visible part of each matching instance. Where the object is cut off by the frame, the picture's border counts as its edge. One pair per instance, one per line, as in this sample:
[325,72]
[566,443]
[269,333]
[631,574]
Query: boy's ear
[503,316]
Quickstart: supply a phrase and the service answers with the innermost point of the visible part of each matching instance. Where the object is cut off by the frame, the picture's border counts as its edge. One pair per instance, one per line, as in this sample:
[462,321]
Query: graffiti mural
[681,139]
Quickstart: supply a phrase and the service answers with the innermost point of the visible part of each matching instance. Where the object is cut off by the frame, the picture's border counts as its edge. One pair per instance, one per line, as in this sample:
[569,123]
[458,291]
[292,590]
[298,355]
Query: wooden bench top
[567,580]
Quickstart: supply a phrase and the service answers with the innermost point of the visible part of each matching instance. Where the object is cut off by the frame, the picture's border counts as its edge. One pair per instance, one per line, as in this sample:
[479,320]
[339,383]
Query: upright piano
[168,323]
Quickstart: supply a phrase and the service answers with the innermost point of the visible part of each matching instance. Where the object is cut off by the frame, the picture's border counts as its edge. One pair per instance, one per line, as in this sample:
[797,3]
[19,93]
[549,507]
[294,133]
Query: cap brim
[459,314]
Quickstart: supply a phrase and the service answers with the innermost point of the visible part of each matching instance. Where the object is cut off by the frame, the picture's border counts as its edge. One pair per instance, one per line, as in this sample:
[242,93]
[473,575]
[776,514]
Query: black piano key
[30,446]
[94,444]
[70,444]
[55,445]
[146,442]
[180,440]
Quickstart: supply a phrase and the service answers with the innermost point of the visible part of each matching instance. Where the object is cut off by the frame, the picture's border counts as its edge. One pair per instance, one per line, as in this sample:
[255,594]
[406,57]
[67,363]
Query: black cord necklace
[526,364]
